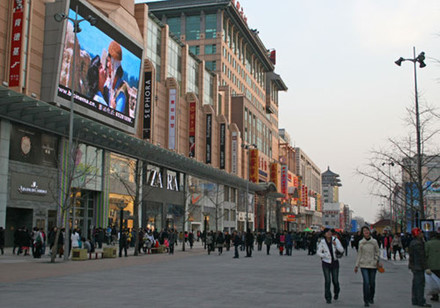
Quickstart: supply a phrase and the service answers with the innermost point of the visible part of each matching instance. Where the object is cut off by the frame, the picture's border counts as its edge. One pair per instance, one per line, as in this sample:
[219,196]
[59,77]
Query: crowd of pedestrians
[329,245]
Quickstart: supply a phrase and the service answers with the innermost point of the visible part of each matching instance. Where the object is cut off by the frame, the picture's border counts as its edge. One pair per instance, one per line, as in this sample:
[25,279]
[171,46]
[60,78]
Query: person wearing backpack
[327,249]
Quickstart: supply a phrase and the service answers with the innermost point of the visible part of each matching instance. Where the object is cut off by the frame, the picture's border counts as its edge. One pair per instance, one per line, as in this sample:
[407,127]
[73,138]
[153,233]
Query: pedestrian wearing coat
[368,261]
[330,264]
[268,242]
[249,238]
[236,240]
[432,251]
[418,265]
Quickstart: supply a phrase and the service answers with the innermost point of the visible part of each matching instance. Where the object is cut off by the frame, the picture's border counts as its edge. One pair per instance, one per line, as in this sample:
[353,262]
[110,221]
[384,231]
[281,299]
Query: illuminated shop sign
[16,44]
[32,190]
[192,129]
[222,145]
[147,104]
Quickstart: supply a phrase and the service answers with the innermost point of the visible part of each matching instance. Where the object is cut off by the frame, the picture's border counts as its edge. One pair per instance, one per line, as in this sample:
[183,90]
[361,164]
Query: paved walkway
[193,279]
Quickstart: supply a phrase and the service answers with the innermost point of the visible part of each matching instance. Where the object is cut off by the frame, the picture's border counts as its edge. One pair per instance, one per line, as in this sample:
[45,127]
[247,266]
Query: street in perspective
[194,279]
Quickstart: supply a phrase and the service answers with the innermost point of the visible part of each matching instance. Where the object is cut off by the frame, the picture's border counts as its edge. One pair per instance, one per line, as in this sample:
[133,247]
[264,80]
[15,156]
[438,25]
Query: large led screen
[106,78]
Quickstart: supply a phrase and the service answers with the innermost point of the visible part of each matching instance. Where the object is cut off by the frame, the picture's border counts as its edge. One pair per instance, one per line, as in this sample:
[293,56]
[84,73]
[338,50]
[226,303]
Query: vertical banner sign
[274,167]
[208,137]
[284,174]
[172,120]
[16,42]
[222,145]
[254,165]
[192,129]
[147,105]
[234,153]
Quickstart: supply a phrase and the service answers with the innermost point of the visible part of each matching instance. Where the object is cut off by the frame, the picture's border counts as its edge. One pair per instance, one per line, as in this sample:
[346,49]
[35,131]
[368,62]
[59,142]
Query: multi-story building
[310,211]
[143,102]
[333,215]
[217,32]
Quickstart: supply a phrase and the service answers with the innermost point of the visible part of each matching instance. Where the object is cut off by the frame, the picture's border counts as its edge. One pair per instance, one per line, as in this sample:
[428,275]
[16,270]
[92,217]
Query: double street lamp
[59,17]
[420,60]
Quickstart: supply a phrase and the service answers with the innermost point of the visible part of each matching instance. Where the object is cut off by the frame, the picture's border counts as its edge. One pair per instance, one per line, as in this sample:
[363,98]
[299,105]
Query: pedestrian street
[195,279]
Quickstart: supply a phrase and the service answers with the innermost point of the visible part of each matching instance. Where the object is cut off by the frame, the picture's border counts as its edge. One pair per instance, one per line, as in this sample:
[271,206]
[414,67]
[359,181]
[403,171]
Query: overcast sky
[346,96]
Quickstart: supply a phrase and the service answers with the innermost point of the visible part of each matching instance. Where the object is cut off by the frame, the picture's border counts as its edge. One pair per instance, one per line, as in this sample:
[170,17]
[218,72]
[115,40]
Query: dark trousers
[171,249]
[260,246]
[418,288]
[289,249]
[236,251]
[330,275]
[369,278]
[122,247]
[267,249]
[249,250]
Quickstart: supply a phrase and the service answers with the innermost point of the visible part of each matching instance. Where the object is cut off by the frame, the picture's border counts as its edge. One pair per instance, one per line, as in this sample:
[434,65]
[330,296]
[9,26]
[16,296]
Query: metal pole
[121,222]
[70,162]
[247,191]
[419,150]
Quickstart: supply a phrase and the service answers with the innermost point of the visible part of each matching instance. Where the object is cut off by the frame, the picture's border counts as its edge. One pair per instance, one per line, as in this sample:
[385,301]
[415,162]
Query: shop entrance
[81,215]
[16,218]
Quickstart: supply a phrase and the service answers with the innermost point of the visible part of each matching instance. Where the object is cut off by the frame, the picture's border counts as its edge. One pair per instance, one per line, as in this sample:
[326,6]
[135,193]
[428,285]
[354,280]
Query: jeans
[330,275]
[418,288]
[369,277]
[236,251]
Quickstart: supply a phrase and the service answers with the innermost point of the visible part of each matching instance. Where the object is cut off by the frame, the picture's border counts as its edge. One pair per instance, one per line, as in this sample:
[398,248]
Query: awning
[29,111]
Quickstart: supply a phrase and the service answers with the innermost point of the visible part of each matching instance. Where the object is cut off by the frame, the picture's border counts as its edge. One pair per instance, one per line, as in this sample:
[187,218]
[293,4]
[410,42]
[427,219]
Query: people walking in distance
[432,251]
[249,241]
[417,264]
[2,240]
[172,237]
[38,243]
[368,261]
[243,241]
[75,240]
[191,240]
[268,242]
[289,243]
[397,246]
[123,243]
[259,241]
[330,265]
[387,244]
[236,240]
[220,240]
[227,240]
[282,242]
[210,242]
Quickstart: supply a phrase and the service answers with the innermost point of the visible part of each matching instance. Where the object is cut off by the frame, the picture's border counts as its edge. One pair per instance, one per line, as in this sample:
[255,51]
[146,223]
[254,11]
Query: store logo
[155,180]
[32,190]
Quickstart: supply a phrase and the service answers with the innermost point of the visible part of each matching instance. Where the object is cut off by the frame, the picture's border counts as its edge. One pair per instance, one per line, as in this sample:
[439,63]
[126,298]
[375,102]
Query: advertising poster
[274,169]
[106,78]
[192,129]
[16,43]
[222,145]
[172,120]
[284,174]
[208,137]
[147,104]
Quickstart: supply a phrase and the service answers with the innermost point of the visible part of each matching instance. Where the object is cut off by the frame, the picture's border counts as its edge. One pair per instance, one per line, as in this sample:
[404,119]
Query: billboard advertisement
[208,137]
[254,165]
[107,70]
[147,104]
[222,146]
[172,120]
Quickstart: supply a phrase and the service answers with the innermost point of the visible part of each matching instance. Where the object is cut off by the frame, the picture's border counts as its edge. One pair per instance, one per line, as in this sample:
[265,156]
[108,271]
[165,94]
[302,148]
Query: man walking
[236,241]
[417,264]
[432,251]
[249,243]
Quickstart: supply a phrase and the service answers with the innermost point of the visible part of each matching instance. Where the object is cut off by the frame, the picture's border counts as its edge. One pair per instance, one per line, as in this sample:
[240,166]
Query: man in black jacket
[249,243]
[418,265]
[236,240]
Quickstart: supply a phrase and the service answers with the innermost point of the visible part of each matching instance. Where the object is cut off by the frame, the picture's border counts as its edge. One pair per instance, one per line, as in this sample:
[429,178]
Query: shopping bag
[432,284]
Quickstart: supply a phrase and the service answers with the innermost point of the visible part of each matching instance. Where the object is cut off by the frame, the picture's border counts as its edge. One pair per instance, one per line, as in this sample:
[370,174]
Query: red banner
[274,167]
[16,42]
[253,165]
[284,184]
[192,129]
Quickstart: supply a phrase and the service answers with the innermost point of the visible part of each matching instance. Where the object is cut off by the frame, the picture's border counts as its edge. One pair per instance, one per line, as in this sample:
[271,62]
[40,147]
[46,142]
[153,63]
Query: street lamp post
[247,147]
[419,59]
[59,17]
[121,205]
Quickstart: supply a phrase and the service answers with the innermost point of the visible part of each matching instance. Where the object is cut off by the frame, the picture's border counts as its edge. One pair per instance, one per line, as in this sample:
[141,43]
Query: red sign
[274,174]
[16,41]
[253,165]
[305,196]
[192,129]
[284,173]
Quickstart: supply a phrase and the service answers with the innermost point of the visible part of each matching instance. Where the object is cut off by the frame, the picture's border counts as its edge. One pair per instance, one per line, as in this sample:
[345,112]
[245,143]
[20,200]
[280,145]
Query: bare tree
[392,170]
[75,175]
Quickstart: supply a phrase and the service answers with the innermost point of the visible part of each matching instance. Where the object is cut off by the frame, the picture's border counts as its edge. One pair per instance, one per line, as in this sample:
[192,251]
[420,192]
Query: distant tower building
[330,186]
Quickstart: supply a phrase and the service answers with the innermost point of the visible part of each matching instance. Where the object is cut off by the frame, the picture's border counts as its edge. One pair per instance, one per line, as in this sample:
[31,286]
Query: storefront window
[116,202]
